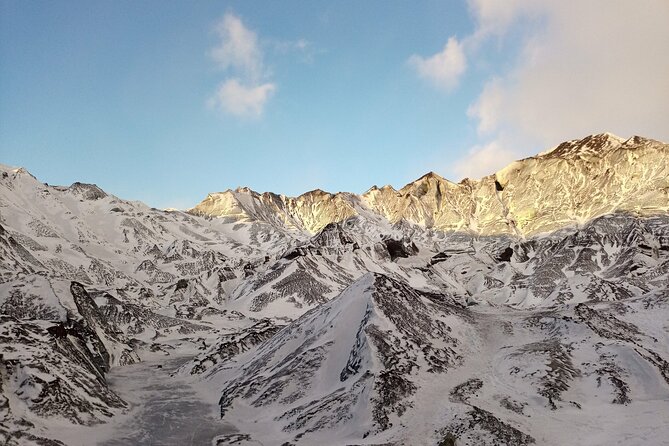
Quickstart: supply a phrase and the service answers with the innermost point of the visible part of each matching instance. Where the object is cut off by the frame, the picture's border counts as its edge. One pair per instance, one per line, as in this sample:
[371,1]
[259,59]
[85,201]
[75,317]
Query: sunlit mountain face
[526,307]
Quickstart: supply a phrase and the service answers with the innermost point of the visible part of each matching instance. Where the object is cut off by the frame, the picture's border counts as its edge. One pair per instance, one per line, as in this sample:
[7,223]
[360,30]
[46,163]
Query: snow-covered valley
[164,408]
[528,307]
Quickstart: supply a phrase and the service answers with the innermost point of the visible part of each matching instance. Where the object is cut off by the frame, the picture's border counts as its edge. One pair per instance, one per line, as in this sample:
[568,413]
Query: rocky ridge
[576,181]
[531,300]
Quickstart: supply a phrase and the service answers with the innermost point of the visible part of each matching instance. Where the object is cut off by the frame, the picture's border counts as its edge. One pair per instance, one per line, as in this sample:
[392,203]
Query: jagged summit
[576,181]
[244,190]
[315,192]
[382,188]
[597,144]
[429,176]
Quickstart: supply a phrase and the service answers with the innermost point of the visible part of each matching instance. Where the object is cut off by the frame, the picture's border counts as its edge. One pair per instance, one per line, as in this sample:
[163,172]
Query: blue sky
[165,101]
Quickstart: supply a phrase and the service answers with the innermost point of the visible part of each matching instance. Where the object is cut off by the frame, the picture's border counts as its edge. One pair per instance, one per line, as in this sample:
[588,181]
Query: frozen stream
[163,410]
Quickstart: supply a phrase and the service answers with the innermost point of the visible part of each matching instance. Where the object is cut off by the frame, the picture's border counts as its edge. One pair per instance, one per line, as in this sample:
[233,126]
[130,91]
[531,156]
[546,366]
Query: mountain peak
[15,171]
[637,140]
[245,190]
[375,188]
[314,193]
[87,191]
[596,144]
[529,196]
[431,176]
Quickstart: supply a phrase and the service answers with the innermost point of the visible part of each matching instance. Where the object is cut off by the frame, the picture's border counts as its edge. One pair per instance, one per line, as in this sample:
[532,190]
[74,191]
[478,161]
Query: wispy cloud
[247,91]
[287,46]
[238,47]
[305,50]
[444,68]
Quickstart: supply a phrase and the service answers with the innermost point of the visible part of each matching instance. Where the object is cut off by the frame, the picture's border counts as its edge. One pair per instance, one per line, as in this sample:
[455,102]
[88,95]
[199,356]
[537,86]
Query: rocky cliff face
[309,212]
[575,182]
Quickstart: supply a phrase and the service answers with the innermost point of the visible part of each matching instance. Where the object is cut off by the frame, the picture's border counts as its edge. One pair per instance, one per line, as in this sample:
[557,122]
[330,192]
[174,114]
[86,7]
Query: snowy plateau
[528,307]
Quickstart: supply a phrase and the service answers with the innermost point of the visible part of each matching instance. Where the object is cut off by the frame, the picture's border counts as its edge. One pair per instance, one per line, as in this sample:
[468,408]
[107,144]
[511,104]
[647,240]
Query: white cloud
[238,47]
[443,69]
[581,68]
[486,108]
[483,160]
[246,93]
[240,100]
[494,18]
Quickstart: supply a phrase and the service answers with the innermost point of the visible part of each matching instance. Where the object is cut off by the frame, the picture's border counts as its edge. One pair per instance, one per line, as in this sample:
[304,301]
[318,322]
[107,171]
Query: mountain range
[527,307]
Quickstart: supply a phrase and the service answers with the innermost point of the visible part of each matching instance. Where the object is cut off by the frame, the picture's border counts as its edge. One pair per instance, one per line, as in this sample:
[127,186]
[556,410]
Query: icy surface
[163,410]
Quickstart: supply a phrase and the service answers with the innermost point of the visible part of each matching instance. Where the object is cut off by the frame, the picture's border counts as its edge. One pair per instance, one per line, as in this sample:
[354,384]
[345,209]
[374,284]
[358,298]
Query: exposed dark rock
[462,392]
[400,248]
[182,284]
[87,191]
[59,370]
[231,345]
[505,256]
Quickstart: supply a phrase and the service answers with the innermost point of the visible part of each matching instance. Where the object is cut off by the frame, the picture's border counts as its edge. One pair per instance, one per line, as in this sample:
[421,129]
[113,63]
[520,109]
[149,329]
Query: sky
[166,101]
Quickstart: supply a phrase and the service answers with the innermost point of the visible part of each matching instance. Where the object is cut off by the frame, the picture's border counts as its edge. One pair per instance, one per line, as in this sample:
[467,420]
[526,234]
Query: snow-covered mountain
[383,363]
[529,306]
[572,183]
